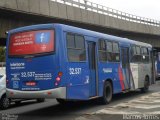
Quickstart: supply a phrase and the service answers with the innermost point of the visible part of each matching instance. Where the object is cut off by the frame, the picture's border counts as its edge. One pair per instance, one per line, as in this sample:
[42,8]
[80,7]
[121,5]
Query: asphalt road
[87,110]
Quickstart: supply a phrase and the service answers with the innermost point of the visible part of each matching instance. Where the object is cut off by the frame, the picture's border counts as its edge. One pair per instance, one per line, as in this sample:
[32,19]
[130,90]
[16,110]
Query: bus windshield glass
[31,43]
[1,76]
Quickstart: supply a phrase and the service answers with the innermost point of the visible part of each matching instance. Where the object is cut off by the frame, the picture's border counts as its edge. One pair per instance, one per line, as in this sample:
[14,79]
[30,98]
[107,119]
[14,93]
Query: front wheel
[107,93]
[4,102]
[146,86]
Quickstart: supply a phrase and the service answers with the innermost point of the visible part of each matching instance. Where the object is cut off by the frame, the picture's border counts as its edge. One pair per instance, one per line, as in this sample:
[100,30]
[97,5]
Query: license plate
[31,83]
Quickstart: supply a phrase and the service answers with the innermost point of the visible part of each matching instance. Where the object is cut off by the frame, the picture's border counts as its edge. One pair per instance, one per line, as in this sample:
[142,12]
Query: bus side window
[109,51]
[76,48]
[102,50]
[145,54]
[115,54]
[136,54]
[79,41]
[70,41]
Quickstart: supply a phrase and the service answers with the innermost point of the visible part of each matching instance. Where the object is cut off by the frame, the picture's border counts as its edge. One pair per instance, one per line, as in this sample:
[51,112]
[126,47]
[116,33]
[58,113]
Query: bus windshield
[31,43]
[1,76]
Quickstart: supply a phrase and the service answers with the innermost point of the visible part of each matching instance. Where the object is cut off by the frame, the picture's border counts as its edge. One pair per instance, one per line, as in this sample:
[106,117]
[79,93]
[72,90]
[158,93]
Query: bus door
[92,68]
[126,66]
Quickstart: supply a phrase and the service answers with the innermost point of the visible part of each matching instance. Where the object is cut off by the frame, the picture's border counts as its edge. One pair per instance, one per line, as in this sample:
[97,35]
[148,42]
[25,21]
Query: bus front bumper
[51,93]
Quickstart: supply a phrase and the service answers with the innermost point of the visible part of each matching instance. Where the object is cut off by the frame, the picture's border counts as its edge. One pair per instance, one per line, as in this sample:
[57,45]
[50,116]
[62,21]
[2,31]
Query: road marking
[111,111]
[142,104]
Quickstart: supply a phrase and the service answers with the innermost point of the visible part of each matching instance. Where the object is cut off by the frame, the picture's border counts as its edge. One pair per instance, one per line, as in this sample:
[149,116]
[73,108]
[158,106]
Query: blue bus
[157,65]
[70,63]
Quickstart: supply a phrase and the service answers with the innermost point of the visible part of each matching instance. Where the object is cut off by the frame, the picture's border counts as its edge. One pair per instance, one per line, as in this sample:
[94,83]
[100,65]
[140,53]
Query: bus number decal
[73,71]
[27,74]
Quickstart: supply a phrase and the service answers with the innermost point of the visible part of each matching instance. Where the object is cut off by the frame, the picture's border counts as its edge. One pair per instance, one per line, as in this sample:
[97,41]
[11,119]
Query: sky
[144,8]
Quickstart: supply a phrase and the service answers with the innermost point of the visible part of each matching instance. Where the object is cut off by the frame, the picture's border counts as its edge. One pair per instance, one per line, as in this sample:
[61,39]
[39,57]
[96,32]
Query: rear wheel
[4,102]
[146,85]
[107,93]
[40,99]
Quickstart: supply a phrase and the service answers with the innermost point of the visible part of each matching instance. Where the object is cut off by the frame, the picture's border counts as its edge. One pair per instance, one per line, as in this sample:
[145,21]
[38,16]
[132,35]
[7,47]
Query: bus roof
[101,35]
[81,31]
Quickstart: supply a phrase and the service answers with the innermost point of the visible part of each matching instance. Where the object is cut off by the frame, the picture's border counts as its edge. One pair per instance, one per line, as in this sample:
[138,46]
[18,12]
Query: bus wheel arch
[107,92]
[110,80]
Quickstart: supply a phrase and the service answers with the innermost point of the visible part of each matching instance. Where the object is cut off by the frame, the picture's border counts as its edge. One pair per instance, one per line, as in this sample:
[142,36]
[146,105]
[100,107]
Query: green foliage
[2,54]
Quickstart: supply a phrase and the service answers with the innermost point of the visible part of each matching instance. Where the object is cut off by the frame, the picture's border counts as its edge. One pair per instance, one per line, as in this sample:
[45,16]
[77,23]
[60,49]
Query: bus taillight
[56,84]
[58,78]
[60,74]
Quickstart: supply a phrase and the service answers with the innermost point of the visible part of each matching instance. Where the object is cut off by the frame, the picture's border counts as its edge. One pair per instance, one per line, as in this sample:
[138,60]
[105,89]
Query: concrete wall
[7,24]
[57,11]
[66,12]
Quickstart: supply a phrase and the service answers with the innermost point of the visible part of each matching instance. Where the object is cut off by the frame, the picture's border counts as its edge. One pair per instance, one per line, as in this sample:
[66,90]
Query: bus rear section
[32,64]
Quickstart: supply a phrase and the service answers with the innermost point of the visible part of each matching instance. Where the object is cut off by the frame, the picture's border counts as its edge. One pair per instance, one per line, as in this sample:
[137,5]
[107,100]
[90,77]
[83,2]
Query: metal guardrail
[84,4]
[2,64]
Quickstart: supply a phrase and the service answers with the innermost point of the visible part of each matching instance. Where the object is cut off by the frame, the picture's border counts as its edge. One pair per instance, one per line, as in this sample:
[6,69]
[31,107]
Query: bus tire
[40,100]
[146,85]
[4,102]
[107,93]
